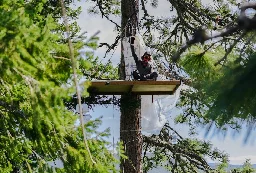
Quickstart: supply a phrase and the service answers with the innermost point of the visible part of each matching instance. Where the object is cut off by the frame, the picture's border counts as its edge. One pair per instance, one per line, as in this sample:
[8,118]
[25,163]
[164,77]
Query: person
[144,68]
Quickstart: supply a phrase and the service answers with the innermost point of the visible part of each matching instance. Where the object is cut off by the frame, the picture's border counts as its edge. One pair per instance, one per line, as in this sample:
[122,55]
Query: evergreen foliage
[246,168]
[219,73]
[37,125]
[36,128]
[187,155]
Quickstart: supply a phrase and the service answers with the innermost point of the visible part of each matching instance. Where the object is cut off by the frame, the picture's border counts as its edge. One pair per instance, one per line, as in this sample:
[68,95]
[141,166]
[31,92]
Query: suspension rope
[74,66]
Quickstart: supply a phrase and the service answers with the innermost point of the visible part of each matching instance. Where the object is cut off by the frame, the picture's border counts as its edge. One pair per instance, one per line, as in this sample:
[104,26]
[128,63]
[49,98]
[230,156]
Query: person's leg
[136,75]
[143,78]
[153,76]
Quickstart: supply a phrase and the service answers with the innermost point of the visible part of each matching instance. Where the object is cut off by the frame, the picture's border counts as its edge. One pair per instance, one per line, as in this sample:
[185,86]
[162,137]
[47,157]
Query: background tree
[130,120]
[219,72]
[173,31]
[247,168]
[222,86]
[35,125]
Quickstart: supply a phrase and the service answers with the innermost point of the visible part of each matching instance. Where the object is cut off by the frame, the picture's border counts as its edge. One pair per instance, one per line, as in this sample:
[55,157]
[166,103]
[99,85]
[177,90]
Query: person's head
[146,57]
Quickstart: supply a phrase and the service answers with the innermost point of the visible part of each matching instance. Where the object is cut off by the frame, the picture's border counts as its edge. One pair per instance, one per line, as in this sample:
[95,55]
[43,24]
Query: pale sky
[234,146]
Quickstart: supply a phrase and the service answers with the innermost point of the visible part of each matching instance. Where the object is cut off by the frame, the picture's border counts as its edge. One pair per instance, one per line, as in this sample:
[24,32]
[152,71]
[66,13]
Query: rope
[71,51]
[112,128]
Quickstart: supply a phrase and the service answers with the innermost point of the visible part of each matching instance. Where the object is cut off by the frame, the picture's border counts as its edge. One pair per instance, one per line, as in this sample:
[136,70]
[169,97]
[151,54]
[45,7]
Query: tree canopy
[209,47]
[36,127]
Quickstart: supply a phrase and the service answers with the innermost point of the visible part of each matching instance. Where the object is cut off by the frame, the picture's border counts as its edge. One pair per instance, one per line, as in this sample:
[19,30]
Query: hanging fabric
[154,113]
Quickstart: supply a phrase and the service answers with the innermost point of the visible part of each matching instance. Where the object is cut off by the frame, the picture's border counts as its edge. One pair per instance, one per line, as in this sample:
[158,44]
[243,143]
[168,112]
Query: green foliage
[188,155]
[107,7]
[222,167]
[246,168]
[198,64]
[77,154]
[98,69]
[222,94]
[236,93]
[35,126]
[194,100]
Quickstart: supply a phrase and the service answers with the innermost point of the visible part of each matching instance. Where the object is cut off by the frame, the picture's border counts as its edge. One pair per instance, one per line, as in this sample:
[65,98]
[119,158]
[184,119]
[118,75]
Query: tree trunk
[129,23]
[130,133]
[130,125]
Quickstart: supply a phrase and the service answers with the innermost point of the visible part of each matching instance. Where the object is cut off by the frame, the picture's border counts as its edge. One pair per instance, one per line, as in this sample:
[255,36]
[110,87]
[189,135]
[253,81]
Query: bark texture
[130,133]
[129,25]
[130,123]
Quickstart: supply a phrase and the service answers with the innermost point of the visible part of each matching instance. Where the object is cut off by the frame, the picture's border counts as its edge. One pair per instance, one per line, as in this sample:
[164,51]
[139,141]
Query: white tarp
[153,113]
[130,64]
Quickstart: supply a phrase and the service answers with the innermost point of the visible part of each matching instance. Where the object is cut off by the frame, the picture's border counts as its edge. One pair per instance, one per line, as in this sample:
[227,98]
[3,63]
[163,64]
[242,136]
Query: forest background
[36,86]
[232,143]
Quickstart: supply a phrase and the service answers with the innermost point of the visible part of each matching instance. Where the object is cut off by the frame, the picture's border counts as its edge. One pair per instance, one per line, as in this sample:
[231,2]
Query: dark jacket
[143,70]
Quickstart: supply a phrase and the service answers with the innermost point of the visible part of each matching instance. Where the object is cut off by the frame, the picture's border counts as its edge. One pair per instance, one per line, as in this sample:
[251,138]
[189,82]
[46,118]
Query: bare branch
[230,49]
[145,14]
[243,23]
[110,47]
[105,44]
[99,4]
[144,9]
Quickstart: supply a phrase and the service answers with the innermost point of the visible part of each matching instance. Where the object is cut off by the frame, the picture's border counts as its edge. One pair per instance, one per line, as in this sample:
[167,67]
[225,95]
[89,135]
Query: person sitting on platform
[144,68]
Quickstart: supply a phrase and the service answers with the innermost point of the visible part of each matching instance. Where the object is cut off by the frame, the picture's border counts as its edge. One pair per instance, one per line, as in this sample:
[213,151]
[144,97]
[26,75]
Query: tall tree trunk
[130,125]
[130,133]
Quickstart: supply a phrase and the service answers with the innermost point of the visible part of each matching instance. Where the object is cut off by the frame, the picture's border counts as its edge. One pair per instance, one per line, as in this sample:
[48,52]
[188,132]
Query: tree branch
[200,37]
[244,23]
[145,15]
[191,157]
[110,47]
[99,4]
[230,49]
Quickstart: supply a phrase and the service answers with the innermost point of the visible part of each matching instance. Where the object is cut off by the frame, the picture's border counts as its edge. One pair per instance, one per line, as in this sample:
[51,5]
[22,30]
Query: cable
[71,51]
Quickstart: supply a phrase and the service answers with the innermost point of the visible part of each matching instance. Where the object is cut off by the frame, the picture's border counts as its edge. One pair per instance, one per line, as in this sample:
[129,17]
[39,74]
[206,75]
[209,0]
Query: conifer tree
[36,127]
[219,72]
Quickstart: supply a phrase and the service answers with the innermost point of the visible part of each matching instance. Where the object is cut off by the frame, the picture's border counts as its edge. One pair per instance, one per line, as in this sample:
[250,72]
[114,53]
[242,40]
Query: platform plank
[120,87]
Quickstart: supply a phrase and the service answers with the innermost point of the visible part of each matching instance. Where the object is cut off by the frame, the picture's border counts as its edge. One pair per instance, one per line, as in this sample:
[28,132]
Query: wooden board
[119,87]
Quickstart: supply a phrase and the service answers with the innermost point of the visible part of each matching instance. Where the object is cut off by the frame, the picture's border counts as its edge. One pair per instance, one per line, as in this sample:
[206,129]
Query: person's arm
[136,59]
[151,68]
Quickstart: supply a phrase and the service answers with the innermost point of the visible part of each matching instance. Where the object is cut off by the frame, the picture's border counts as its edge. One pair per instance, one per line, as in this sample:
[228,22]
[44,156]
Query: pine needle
[73,61]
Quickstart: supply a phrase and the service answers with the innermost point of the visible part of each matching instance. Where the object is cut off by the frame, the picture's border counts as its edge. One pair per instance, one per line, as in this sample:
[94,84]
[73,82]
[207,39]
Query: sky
[231,144]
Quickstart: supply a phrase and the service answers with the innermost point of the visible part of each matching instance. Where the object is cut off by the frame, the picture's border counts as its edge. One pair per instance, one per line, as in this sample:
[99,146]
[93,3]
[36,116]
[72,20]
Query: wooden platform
[119,87]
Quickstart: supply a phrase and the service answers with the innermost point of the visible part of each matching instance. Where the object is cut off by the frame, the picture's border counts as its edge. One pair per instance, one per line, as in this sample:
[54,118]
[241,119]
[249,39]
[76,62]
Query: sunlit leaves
[35,125]
[199,66]
[236,91]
